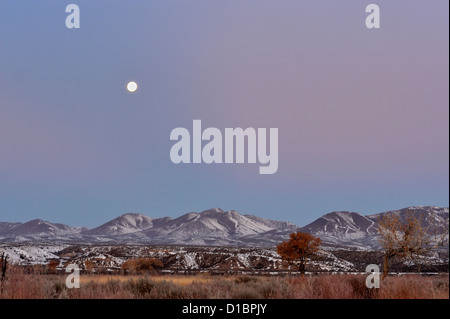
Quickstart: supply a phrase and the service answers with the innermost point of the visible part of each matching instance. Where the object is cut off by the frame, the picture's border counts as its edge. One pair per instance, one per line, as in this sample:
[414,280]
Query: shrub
[245,292]
[23,284]
[52,264]
[360,290]
[88,265]
[140,287]
[244,279]
[142,265]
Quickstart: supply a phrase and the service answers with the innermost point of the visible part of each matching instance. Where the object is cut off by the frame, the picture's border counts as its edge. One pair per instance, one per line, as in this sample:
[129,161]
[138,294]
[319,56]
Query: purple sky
[363,115]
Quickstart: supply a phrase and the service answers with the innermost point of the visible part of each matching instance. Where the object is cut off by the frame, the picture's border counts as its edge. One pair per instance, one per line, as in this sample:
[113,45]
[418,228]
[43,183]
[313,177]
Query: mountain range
[215,227]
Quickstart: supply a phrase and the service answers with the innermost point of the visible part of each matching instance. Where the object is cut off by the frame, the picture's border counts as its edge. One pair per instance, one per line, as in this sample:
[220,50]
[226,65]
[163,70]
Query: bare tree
[407,237]
[297,250]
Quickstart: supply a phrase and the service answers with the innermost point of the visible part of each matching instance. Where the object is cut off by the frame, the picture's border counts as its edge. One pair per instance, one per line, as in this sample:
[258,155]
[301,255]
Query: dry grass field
[22,283]
[175,279]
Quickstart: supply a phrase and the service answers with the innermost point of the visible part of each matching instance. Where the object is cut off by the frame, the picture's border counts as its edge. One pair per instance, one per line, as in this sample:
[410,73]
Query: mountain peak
[213,210]
[218,227]
[40,226]
[124,224]
[353,229]
[36,221]
[131,214]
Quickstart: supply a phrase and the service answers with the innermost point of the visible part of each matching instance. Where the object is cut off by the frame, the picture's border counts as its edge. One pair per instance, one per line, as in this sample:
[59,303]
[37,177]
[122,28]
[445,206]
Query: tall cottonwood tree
[298,249]
[407,237]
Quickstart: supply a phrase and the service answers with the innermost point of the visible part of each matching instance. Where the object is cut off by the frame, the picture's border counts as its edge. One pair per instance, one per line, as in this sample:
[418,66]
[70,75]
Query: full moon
[132,86]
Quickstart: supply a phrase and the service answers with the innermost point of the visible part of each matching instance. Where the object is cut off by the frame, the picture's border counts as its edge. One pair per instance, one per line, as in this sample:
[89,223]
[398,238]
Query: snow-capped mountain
[344,228]
[434,219]
[211,227]
[217,223]
[125,224]
[38,227]
[4,227]
[356,230]
[215,227]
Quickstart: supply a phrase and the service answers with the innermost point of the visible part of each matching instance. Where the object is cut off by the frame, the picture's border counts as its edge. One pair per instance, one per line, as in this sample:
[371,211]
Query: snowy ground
[29,254]
[201,258]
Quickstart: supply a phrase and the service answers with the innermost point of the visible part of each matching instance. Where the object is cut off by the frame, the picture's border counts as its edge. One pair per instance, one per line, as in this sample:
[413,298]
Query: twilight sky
[363,115]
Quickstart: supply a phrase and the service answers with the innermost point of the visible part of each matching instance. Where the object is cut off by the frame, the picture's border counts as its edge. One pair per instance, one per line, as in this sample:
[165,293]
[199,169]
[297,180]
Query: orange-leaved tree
[298,249]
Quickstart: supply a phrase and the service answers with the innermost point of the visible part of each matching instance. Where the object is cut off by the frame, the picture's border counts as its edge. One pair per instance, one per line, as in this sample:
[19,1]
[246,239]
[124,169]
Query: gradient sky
[363,115]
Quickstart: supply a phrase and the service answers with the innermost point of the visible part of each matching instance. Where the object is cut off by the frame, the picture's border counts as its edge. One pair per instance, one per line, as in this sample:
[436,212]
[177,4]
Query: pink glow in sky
[363,115]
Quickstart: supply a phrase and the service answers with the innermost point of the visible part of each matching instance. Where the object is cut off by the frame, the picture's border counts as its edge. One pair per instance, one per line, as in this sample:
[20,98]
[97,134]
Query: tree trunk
[301,268]
[386,265]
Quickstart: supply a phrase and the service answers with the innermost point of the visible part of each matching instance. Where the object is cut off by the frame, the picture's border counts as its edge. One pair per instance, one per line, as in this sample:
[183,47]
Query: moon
[132,86]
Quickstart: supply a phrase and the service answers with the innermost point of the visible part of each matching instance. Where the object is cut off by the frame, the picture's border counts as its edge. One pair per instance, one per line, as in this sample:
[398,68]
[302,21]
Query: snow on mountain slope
[38,227]
[434,219]
[356,230]
[125,224]
[347,225]
[4,227]
[273,224]
[30,253]
[212,223]
[344,228]
[215,227]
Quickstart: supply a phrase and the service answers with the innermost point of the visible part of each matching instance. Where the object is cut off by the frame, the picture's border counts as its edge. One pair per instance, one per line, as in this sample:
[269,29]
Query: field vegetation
[30,283]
